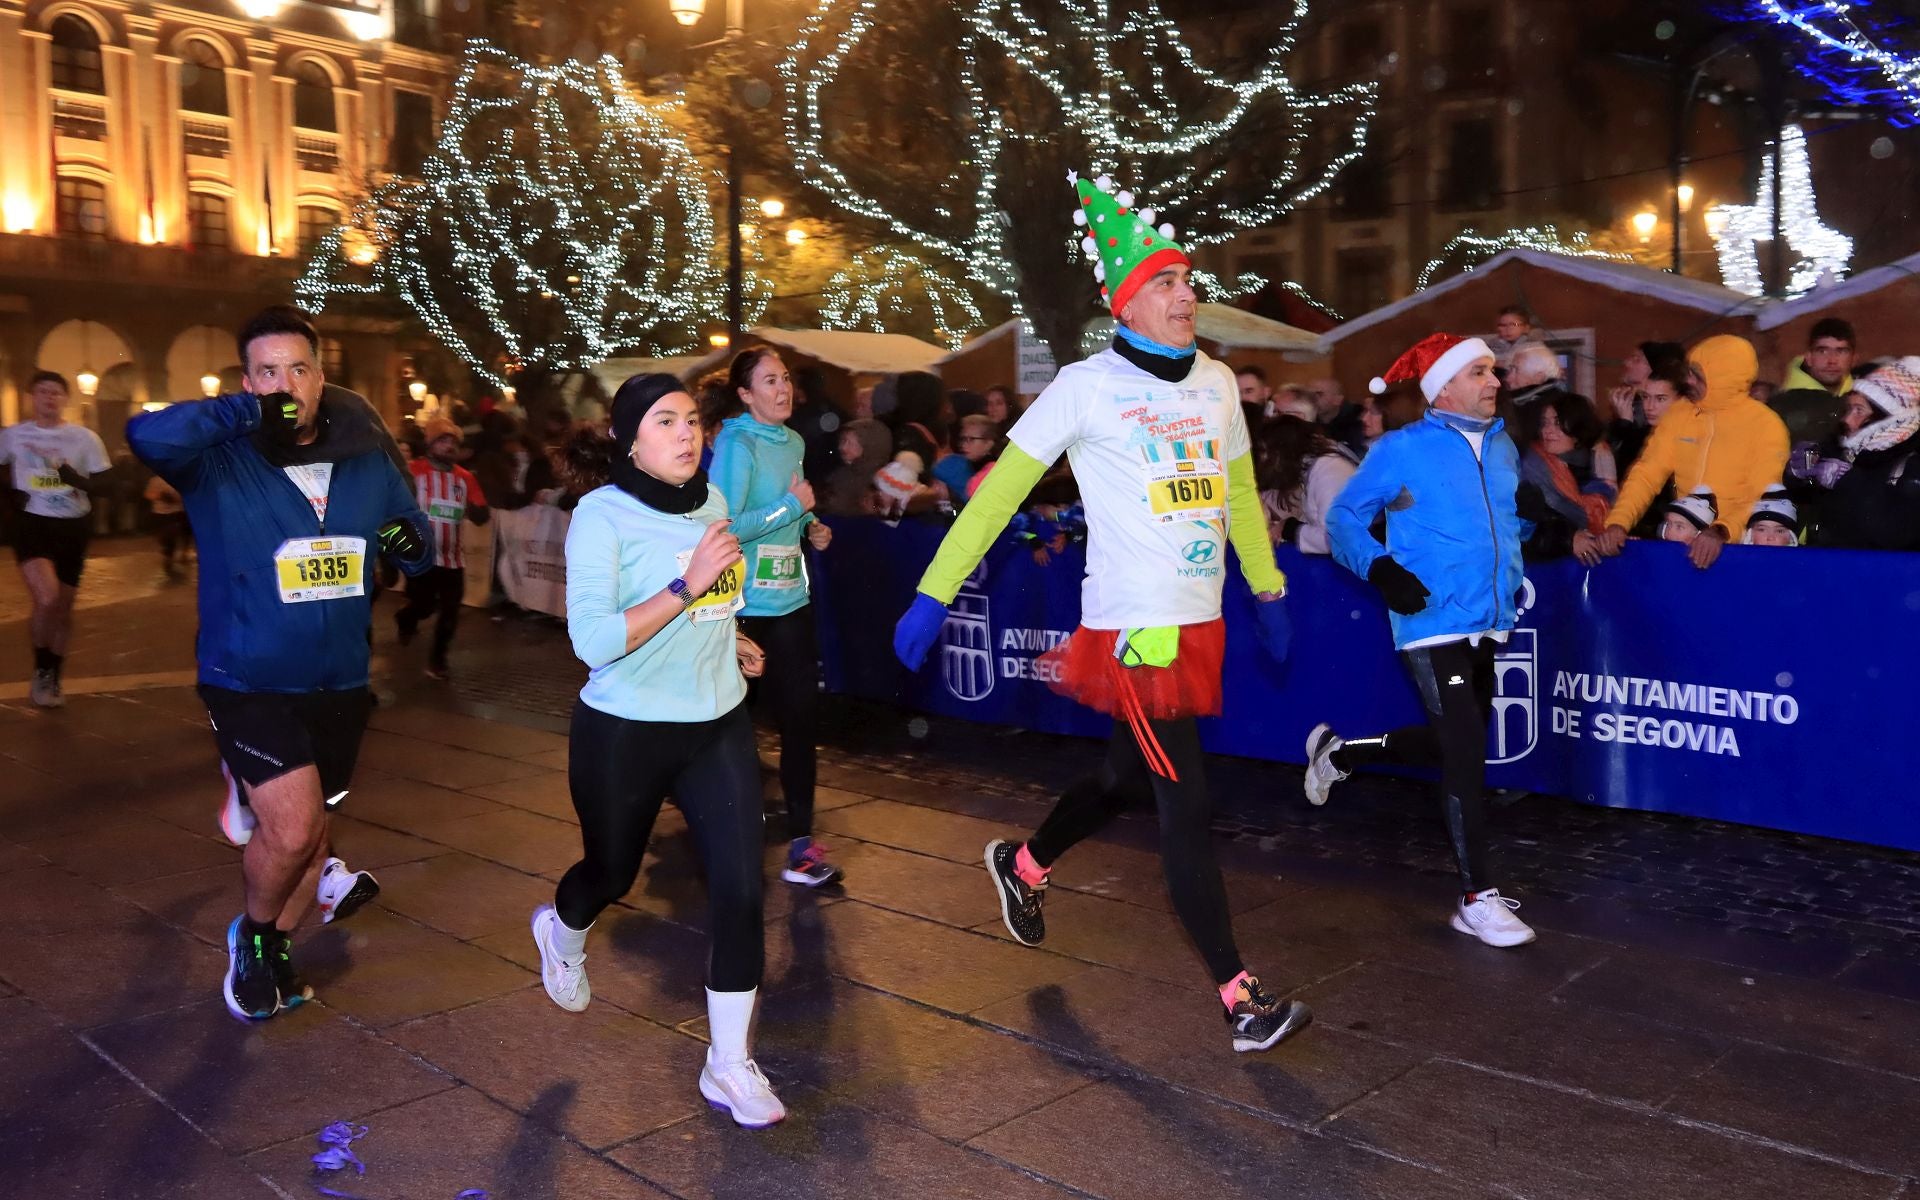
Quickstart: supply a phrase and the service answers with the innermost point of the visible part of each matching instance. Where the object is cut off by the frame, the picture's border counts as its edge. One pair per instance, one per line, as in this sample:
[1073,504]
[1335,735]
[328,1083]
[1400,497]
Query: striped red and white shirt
[444,494]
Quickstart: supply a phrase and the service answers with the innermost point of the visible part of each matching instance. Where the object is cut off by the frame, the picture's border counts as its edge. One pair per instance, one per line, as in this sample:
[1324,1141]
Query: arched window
[76,57]
[81,209]
[203,79]
[207,221]
[313,97]
[315,223]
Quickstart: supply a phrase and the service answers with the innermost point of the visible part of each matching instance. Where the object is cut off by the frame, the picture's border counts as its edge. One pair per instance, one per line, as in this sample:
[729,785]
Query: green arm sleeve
[1247,529]
[981,522]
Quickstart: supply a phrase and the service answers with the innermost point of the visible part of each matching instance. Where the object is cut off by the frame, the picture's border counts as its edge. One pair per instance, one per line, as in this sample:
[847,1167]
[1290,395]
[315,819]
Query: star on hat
[1121,241]
[1434,361]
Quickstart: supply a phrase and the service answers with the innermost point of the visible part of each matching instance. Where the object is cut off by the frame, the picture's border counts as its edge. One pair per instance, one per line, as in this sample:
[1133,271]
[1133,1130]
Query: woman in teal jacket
[756,465]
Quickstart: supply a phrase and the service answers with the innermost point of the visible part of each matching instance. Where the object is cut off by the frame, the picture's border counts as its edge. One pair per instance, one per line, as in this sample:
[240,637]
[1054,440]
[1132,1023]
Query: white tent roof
[616,371]
[1222,323]
[1781,312]
[1619,276]
[861,353]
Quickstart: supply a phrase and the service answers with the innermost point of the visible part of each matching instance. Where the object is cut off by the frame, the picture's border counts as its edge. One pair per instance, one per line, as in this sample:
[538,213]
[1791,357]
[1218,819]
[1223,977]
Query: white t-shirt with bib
[1151,461]
[36,453]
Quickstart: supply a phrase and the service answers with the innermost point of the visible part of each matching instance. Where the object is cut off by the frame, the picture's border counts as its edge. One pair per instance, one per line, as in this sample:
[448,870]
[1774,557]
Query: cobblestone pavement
[1648,1053]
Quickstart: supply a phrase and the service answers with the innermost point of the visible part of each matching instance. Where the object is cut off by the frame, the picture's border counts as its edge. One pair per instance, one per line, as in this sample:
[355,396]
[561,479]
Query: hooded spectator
[1300,472]
[1775,521]
[1874,503]
[865,447]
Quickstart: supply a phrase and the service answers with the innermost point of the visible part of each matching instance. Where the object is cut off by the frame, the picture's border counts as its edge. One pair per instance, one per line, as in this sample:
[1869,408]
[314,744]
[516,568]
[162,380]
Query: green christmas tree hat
[1121,241]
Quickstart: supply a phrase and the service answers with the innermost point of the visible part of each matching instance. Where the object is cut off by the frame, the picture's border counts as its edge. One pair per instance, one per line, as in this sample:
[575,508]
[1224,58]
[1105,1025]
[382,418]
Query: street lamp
[210,385]
[88,381]
[687,12]
[1644,224]
[796,235]
[755,95]
[418,390]
[772,208]
[1686,197]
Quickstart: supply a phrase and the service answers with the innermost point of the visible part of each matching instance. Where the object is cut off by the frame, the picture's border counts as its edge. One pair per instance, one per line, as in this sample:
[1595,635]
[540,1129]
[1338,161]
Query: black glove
[71,477]
[400,540]
[1399,587]
[280,419]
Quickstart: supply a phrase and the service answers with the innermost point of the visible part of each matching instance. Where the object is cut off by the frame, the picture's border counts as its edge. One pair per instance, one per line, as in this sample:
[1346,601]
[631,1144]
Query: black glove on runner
[1399,587]
[280,419]
[399,539]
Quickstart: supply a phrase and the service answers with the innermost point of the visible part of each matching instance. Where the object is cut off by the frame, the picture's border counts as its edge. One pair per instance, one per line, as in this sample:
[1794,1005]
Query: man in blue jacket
[290,500]
[1451,574]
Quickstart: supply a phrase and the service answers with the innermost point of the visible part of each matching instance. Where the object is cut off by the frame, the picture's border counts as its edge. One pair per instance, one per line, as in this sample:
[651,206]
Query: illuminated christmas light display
[558,222]
[1467,249]
[1737,229]
[1851,52]
[883,287]
[1130,97]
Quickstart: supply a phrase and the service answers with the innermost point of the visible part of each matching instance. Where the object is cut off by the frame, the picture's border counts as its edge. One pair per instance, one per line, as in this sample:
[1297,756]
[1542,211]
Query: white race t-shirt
[315,481]
[37,453]
[1151,461]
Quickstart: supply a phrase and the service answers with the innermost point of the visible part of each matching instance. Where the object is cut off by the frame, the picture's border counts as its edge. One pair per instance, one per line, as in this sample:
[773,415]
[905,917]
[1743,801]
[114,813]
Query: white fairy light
[883,289]
[1737,229]
[1478,247]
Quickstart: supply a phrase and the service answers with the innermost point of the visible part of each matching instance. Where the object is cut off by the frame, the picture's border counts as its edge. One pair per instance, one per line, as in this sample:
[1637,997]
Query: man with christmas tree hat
[1159,446]
[1451,574]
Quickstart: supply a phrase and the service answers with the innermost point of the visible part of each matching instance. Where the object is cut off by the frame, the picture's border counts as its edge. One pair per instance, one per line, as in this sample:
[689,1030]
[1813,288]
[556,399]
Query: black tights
[620,771]
[438,590]
[791,688]
[1456,686]
[1186,838]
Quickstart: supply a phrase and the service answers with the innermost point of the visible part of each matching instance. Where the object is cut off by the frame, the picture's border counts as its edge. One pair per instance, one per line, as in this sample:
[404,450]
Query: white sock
[730,1018]
[569,942]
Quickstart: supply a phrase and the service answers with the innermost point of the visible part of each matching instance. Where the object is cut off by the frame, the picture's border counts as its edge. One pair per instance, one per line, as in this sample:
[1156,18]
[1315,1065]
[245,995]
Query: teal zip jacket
[753,466]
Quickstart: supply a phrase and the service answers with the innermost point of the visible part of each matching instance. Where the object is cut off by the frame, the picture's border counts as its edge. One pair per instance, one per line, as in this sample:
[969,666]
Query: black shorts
[61,540]
[263,735]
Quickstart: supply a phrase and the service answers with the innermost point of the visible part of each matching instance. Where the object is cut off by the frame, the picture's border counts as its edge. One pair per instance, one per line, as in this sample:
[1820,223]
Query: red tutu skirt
[1085,670]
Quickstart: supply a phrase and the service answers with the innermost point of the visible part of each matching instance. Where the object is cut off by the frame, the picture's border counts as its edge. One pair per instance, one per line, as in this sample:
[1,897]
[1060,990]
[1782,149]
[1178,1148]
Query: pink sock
[1230,990]
[1031,873]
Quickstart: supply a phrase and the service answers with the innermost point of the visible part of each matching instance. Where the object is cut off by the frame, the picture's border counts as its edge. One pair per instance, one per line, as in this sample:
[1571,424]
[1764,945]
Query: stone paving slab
[382,969]
[461,895]
[126,969]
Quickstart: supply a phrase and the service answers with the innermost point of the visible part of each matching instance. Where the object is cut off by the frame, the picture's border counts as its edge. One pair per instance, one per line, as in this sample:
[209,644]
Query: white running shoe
[1321,773]
[740,1089]
[565,979]
[1490,918]
[343,890]
[236,819]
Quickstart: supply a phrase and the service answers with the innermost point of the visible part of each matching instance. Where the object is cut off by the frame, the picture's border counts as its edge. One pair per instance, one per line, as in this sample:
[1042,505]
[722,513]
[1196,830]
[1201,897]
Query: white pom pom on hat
[1104,183]
[1377,386]
[1079,216]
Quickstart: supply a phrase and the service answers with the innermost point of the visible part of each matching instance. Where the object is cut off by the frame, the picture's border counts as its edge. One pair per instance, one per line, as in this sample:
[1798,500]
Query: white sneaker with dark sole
[237,821]
[342,890]
[1490,918]
[565,979]
[742,1092]
[1321,773]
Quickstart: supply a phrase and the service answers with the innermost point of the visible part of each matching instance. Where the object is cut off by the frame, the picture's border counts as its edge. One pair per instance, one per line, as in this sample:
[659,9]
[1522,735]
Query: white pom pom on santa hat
[1377,386]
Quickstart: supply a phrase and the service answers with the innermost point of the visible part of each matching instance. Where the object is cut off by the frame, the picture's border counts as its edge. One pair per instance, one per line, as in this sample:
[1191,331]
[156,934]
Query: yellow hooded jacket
[1726,440]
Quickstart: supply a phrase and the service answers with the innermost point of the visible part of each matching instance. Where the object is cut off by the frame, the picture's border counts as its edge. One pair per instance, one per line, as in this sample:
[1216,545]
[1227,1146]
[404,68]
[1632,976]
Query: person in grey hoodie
[756,466]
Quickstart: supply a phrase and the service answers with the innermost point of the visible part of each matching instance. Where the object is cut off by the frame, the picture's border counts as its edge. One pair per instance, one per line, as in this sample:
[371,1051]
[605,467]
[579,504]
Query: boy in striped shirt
[449,494]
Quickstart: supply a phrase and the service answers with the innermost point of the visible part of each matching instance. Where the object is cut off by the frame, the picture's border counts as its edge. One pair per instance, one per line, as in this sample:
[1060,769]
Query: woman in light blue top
[756,465]
[654,578]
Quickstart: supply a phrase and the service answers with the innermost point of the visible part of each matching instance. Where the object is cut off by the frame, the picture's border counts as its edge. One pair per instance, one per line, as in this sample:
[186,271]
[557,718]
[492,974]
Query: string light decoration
[1850,52]
[1737,229]
[884,287]
[1469,249]
[557,222]
[1126,95]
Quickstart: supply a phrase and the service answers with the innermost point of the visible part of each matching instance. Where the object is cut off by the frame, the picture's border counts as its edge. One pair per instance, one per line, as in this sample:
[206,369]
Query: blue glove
[1275,629]
[918,630]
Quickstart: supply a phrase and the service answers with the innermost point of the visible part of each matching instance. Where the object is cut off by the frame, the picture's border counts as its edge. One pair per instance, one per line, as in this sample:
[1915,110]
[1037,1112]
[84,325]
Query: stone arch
[102,27]
[200,350]
[77,345]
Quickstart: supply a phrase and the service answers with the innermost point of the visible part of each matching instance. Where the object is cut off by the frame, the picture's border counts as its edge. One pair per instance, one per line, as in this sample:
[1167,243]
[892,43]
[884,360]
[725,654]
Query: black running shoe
[294,991]
[1020,904]
[1260,1022]
[250,991]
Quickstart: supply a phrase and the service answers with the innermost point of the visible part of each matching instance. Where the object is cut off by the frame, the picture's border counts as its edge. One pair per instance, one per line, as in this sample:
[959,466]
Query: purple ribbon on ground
[336,1154]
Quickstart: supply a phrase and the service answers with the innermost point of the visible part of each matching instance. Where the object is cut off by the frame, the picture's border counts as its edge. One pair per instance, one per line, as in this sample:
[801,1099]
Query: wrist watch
[681,591]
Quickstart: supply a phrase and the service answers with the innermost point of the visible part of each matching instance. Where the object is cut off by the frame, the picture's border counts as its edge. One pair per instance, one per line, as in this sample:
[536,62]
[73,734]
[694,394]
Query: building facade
[164,167]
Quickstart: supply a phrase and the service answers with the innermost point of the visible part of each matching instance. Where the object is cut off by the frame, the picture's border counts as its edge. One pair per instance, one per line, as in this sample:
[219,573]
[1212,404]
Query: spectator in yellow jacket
[1724,440]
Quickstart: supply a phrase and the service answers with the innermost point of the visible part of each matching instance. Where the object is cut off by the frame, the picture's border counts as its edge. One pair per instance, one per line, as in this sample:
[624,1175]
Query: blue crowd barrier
[1776,689]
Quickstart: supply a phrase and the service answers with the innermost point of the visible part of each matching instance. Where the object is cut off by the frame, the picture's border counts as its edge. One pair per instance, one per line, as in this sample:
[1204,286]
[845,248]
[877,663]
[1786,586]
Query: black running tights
[438,591]
[620,771]
[1456,685]
[790,687]
[1186,837]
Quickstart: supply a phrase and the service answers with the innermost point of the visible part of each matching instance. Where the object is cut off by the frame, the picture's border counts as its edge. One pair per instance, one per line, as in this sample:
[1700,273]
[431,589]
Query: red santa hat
[1434,361]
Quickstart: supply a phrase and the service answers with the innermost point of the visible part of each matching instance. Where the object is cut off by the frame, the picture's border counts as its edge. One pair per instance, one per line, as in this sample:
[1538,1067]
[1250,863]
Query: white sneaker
[1490,918]
[343,890]
[743,1091]
[565,979]
[1321,773]
[236,819]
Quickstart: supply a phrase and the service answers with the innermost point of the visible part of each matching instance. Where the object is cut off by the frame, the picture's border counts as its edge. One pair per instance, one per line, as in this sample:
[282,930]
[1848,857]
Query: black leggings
[439,590]
[1186,839]
[620,771]
[790,686]
[1456,686]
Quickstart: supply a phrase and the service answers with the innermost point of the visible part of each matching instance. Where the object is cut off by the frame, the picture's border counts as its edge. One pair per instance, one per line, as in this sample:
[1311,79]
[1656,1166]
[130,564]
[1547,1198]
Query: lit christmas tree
[954,122]
[558,222]
[884,290]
